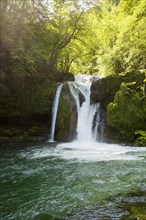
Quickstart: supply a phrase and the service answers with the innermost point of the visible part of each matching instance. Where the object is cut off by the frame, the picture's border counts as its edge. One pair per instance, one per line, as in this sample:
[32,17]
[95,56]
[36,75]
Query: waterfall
[96,124]
[88,116]
[86,113]
[73,90]
[54,111]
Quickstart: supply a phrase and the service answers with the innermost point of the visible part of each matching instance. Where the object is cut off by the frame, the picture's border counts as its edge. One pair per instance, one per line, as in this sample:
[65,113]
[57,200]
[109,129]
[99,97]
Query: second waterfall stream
[88,115]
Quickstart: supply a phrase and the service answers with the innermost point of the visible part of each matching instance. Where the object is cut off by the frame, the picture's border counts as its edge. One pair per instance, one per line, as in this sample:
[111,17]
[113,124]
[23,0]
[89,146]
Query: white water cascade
[88,115]
[54,112]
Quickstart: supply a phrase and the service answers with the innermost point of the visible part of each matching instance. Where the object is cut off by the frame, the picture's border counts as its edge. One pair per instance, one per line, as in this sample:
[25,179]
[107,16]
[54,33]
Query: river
[50,181]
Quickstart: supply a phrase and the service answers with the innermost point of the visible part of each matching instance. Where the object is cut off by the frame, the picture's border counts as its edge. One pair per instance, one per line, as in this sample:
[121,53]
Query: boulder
[122,98]
[104,89]
[127,113]
[66,122]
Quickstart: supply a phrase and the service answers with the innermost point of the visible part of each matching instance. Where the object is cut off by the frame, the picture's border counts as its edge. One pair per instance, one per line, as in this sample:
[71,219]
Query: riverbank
[30,128]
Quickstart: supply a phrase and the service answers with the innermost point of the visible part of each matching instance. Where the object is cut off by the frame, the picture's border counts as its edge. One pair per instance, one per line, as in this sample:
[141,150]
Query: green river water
[66,180]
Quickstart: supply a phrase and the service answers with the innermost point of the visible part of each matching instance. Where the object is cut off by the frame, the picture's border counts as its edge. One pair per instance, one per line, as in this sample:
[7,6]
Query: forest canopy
[88,36]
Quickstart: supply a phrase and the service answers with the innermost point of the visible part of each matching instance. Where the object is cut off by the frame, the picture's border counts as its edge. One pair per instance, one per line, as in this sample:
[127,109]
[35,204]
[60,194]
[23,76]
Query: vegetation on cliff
[127,113]
[123,97]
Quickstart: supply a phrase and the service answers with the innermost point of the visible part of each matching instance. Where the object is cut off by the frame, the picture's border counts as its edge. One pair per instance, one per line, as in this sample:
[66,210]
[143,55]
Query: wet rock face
[98,91]
[62,77]
[104,89]
[67,116]
[114,92]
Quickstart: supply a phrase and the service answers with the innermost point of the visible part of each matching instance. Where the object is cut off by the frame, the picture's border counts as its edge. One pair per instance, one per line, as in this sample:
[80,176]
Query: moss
[112,116]
[126,109]
[141,138]
[66,117]
[127,113]
[104,89]
[136,210]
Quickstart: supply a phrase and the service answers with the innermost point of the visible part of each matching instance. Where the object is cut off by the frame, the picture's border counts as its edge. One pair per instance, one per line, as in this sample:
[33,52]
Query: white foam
[94,151]
[90,151]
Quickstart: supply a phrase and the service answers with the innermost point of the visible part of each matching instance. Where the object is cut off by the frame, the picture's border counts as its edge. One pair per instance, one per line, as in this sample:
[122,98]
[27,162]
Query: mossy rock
[67,116]
[141,138]
[103,90]
[127,113]
[137,211]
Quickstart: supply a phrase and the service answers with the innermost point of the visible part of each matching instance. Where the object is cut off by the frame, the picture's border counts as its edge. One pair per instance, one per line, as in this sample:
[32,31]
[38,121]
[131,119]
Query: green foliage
[97,38]
[141,138]
[128,111]
[127,48]
[34,96]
